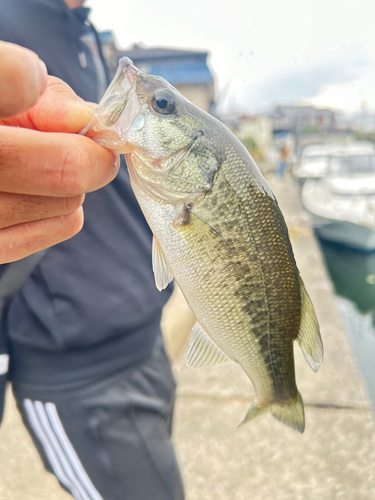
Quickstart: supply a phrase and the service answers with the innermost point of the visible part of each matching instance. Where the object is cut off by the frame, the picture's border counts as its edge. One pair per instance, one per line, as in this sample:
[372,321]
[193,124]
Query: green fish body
[218,231]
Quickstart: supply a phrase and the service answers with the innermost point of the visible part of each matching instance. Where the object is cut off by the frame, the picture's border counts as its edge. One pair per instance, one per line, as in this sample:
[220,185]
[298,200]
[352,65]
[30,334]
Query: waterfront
[353,275]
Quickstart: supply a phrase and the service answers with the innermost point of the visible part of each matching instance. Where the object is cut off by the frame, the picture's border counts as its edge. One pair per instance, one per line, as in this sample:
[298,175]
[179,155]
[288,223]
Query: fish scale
[238,327]
[246,238]
[218,231]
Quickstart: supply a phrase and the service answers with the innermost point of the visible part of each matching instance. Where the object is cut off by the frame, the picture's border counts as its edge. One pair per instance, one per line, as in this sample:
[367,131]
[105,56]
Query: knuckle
[104,164]
[58,86]
[72,174]
[83,166]
[72,203]
[72,224]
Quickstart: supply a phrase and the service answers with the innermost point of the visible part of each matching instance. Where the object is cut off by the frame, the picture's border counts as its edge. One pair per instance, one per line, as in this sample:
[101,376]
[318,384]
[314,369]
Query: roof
[139,53]
[281,111]
[177,66]
[179,73]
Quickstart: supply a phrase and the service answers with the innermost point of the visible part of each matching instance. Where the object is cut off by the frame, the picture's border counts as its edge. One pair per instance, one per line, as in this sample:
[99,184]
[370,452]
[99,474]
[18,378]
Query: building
[186,70]
[297,119]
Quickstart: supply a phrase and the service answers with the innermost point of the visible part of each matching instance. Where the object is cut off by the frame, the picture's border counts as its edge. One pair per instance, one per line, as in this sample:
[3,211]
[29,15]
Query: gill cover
[166,146]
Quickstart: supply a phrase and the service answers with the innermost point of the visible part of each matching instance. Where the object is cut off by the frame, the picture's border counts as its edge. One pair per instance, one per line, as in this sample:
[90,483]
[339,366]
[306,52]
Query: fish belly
[216,262]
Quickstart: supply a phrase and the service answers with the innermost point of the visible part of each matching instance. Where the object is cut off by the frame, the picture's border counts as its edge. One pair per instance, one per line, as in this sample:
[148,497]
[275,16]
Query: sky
[263,53]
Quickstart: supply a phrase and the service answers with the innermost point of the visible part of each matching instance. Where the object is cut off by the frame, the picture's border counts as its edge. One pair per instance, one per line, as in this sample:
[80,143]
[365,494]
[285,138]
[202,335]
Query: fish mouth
[118,93]
[109,125]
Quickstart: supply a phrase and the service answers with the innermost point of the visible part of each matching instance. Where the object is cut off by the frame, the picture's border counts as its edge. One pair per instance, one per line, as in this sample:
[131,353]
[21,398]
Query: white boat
[313,163]
[342,204]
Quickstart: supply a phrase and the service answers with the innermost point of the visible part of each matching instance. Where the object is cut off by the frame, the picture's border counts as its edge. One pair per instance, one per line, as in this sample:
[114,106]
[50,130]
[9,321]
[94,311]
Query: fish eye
[163,102]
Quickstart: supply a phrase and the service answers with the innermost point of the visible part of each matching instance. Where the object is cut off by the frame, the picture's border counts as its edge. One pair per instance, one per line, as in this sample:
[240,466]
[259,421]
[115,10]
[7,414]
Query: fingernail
[81,108]
[88,125]
[41,69]
[78,115]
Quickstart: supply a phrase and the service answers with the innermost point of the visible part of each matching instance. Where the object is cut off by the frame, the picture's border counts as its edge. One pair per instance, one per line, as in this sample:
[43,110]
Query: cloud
[304,81]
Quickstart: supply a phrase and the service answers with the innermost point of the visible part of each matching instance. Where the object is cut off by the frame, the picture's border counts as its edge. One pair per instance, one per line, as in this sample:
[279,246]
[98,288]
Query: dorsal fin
[203,351]
[309,339]
[163,275]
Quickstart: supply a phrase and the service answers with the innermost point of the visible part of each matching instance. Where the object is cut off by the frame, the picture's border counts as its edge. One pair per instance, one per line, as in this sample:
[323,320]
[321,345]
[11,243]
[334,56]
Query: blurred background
[295,82]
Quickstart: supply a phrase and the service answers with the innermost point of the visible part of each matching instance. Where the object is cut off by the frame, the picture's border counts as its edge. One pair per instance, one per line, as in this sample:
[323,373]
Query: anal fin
[309,339]
[163,275]
[203,351]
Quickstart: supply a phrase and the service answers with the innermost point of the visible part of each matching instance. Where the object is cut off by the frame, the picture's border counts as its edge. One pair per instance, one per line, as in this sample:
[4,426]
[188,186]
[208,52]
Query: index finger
[40,163]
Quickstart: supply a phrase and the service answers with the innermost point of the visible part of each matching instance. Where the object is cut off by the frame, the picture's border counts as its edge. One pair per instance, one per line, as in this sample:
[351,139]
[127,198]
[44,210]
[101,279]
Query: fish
[219,233]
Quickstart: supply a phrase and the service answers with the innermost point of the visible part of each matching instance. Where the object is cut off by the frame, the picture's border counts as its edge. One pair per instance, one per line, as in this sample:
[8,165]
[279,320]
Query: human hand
[45,167]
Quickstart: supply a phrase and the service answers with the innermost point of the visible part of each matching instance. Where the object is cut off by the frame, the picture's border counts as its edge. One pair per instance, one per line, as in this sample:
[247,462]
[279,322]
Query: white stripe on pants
[47,426]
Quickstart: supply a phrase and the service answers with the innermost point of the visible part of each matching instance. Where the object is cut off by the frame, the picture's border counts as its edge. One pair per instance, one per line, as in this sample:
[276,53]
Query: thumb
[59,109]
[23,78]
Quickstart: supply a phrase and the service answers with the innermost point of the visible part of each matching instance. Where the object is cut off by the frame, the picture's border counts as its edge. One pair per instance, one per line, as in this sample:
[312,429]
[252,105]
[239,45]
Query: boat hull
[347,234]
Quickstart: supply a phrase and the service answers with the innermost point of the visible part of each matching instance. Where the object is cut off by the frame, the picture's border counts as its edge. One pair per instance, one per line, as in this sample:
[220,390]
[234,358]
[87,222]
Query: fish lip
[118,93]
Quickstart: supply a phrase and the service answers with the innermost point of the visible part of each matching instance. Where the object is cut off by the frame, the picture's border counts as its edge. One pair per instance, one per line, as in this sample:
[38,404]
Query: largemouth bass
[219,232]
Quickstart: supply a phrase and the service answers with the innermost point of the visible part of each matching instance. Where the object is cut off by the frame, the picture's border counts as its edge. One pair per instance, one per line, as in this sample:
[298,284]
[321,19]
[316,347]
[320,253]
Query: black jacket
[91,306]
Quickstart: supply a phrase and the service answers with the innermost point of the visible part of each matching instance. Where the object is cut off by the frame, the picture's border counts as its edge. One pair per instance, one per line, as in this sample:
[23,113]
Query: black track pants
[112,440]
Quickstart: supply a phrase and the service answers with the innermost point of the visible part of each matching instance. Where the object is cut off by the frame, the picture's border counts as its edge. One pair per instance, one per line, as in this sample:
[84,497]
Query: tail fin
[291,413]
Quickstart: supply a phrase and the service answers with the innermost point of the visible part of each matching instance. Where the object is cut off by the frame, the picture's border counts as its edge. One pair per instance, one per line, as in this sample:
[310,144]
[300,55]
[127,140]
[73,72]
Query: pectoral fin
[203,351]
[309,339]
[163,275]
[208,234]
